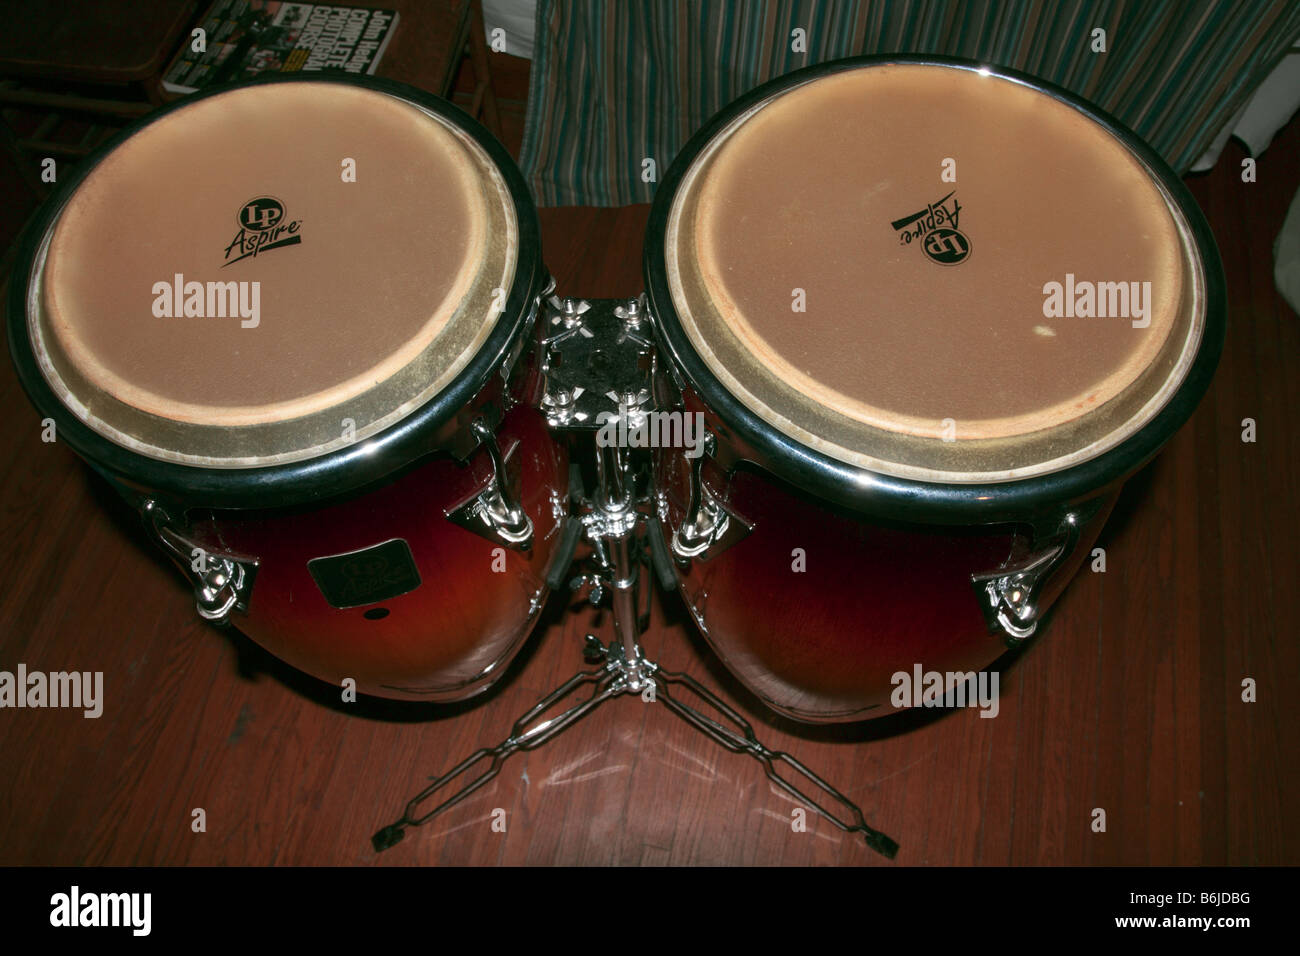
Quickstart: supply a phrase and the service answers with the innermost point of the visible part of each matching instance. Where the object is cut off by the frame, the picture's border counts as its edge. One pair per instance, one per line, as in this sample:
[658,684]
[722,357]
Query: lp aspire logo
[935,228]
[263,226]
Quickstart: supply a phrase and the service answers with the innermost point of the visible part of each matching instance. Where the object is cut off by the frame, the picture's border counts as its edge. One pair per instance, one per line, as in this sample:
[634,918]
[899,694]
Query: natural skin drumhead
[879,251]
[268,255]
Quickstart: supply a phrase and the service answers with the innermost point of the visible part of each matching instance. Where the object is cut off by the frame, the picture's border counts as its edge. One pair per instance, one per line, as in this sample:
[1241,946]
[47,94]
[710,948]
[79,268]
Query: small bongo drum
[291,323]
[933,315]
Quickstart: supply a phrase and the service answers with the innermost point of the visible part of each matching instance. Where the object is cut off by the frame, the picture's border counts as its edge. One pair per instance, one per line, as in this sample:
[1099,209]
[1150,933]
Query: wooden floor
[1131,702]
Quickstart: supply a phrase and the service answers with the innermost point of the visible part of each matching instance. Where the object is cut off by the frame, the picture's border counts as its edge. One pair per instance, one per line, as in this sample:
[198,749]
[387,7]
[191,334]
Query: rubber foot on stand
[389,836]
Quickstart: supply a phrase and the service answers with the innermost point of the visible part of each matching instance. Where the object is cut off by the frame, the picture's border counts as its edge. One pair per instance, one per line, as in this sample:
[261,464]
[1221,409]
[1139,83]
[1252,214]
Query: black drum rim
[869,492]
[310,479]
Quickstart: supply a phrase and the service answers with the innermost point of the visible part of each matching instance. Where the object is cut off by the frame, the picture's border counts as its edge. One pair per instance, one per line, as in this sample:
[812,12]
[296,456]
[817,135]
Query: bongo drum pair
[908,325]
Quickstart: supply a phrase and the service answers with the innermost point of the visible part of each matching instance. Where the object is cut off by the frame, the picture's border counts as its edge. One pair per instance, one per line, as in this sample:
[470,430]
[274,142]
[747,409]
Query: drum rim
[332,473]
[860,489]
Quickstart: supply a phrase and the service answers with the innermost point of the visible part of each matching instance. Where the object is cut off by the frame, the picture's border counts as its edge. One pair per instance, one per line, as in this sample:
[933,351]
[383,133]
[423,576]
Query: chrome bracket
[709,527]
[598,360]
[495,513]
[1011,597]
[222,582]
[712,530]
[632,672]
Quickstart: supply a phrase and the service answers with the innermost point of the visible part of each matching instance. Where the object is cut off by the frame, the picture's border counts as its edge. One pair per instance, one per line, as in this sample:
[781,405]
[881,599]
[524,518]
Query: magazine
[246,38]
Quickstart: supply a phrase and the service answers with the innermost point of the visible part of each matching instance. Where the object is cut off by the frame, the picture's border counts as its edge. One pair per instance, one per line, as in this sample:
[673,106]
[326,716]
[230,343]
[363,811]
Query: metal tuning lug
[222,582]
[708,528]
[495,513]
[1011,597]
[1010,600]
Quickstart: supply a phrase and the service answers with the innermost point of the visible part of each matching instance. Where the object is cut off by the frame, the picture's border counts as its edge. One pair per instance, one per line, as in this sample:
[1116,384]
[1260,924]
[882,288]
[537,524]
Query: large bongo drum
[933,315]
[291,323]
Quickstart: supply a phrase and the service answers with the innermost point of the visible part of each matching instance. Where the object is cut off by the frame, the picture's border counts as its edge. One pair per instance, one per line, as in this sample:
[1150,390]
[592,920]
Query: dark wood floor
[1131,701]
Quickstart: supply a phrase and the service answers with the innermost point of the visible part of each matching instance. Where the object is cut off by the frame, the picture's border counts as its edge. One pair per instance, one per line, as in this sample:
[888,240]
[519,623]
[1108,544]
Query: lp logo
[260,214]
[946,246]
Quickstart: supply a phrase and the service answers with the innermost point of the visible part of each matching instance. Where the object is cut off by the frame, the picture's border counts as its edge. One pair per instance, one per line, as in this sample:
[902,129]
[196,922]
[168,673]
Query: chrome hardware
[619,673]
[634,672]
[222,582]
[706,523]
[600,525]
[615,514]
[595,354]
[593,581]
[697,527]
[559,509]
[593,652]
[569,311]
[1011,597]
[1010,601]
[632,312]
[559,405]
[708,528]
[633,402]
[494,513]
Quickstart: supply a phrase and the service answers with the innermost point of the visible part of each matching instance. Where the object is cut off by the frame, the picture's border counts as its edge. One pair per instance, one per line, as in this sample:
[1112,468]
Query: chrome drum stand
[598,358]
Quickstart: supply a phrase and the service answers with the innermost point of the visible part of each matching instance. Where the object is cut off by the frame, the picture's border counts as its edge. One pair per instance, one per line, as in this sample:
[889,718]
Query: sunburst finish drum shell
[853,270]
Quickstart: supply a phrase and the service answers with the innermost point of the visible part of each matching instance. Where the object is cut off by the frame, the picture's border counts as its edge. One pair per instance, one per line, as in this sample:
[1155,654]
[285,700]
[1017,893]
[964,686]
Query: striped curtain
[614,83]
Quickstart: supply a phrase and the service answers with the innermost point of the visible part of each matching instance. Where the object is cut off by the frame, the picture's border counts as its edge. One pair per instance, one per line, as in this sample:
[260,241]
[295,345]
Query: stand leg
[746,742]
[525,735]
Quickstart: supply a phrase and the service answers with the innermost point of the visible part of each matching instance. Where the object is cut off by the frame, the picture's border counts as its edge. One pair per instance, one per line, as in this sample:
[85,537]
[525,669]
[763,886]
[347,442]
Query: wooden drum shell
[874,598]
[449,638]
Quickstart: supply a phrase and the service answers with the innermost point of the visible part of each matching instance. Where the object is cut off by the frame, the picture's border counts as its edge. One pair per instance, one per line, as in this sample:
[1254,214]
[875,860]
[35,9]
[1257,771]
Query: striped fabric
[614,83]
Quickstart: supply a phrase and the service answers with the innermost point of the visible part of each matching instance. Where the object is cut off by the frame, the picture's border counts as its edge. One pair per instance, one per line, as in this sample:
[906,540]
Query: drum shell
[874,598]
[449,638]
[890,558]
